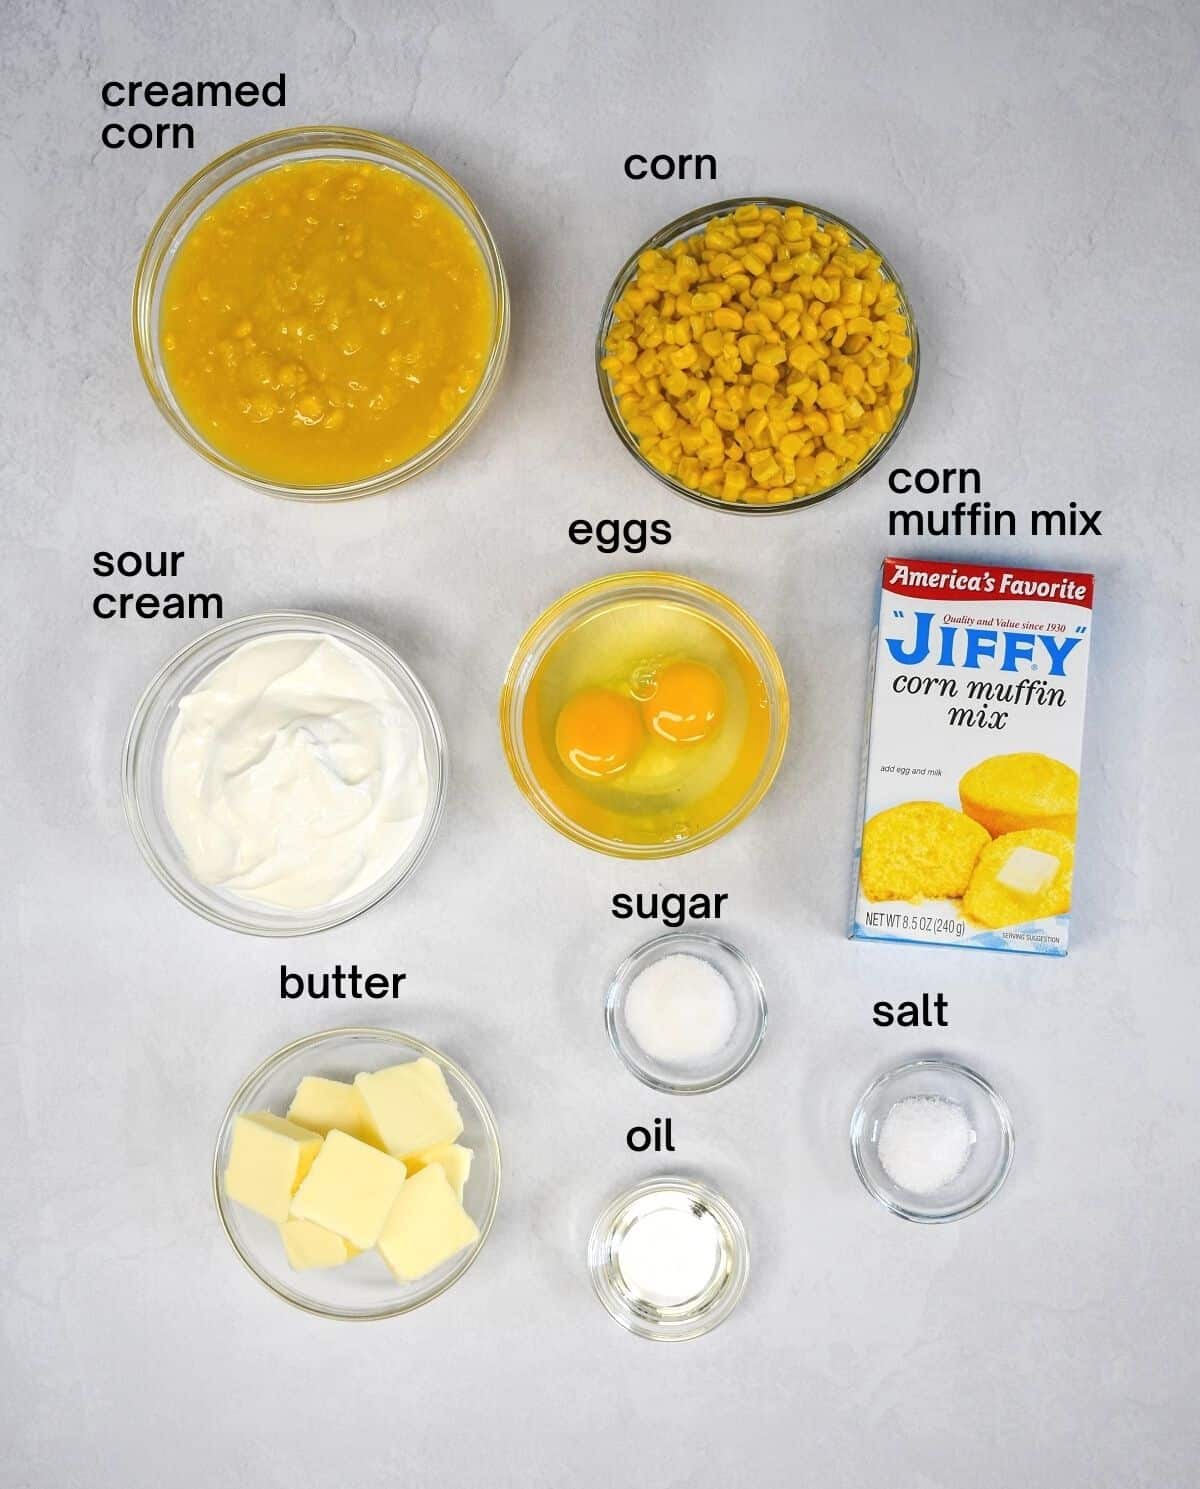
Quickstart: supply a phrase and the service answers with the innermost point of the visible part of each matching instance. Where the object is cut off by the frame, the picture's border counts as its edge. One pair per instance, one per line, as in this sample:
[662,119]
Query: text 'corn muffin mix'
[971,783]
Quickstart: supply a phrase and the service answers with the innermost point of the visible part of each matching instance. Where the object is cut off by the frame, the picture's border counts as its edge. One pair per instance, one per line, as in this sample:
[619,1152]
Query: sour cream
[295,774]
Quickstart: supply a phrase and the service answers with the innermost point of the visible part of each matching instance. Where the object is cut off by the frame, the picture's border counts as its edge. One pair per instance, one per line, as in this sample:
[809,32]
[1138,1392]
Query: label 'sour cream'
[970,788]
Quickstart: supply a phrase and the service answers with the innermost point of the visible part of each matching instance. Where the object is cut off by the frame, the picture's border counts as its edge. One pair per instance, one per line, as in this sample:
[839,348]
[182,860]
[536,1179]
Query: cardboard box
[971,772]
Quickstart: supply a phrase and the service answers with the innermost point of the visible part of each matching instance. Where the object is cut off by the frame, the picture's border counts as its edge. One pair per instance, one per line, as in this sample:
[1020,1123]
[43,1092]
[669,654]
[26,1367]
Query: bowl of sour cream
[284,773]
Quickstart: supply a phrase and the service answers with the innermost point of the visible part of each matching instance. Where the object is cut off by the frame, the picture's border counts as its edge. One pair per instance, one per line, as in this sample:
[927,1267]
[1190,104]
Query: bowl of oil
[644,715]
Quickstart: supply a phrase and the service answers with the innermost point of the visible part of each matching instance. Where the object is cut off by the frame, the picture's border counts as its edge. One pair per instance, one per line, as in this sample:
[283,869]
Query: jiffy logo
[978,646]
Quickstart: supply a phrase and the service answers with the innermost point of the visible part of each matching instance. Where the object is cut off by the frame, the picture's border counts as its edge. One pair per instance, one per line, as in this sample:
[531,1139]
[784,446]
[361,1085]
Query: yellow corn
[766,340]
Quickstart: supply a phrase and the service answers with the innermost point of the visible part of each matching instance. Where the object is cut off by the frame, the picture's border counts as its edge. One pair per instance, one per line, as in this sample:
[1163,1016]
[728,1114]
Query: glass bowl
[700,1075]
[713,1299]
[363,1288]
[992,1140]
[684,227]
[598,595]
[145,747]
[231,169]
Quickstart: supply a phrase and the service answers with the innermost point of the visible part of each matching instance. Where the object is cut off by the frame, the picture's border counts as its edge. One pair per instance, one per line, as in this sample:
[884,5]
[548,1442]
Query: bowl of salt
[932,1141]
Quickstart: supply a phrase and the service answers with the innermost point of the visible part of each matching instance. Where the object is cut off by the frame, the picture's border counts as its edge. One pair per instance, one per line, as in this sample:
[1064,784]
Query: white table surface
[1032,171]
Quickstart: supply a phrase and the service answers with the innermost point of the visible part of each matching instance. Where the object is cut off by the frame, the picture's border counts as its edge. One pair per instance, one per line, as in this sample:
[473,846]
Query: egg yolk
[598,733]
[687,704]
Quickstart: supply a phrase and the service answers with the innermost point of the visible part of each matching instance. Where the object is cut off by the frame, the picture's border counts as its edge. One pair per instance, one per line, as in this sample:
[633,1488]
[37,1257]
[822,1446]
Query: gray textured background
[1032,171]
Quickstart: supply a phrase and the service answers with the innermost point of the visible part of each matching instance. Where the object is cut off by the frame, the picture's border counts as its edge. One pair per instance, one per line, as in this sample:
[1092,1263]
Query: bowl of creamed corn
[757,355]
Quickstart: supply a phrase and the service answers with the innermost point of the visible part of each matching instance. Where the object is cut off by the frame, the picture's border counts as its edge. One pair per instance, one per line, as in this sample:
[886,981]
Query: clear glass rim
[277,148]
[719,1309]
[418,1047]
[332,915]
[619,986]
[682,227]
[964,1072]
[651,584]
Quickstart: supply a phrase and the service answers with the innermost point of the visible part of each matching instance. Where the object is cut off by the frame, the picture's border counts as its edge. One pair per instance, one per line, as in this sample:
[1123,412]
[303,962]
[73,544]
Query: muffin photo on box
[920,850]
[1021,876]
[1007,793]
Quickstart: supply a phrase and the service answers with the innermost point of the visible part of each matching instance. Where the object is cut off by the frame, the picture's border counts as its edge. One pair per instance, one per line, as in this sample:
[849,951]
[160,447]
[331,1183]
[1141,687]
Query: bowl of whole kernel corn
[757,355]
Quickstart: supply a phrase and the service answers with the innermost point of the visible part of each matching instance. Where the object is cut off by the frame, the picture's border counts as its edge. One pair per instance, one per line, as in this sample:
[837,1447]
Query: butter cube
[322,1105]
[268,1159]
[452,1158]
[411,1106]
[350,1189]
[426,1227]
[1027,871]
[310,1246]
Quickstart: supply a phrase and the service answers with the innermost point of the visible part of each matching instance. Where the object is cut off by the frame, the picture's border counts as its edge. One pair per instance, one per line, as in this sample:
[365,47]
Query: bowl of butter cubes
[357,1173]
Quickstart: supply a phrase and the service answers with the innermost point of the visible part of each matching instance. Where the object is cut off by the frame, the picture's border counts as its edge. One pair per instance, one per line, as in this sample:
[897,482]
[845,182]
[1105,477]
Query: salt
[680,1010]
[924,1143]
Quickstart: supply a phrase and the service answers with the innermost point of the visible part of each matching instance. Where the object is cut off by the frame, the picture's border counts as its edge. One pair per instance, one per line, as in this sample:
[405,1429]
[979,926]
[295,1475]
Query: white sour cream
[295,774]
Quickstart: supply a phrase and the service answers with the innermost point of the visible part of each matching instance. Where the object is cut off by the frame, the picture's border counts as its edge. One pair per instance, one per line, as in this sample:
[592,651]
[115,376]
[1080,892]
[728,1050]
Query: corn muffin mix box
[970,786]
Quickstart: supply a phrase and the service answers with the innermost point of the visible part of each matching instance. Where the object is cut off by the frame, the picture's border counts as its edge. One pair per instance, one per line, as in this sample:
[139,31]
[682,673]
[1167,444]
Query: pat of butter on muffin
[1027,871]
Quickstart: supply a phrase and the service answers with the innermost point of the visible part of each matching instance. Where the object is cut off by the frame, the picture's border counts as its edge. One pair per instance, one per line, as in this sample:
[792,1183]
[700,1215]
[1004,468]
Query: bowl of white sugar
[686,1013]
[931,1140]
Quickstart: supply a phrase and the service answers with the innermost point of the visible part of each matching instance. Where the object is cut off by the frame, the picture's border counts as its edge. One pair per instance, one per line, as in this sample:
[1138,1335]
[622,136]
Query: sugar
[924,1143]
[680,1010]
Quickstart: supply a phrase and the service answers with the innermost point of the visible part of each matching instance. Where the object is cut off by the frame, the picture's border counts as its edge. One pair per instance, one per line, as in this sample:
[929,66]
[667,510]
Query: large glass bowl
[363,1288]
[599,594]
[145,748]
[684,227]
[230,170]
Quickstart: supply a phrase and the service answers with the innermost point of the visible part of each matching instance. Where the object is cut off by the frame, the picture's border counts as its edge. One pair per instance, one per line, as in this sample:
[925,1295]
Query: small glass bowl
[229,170]
[697,1315]
[685,227]
[742,1046]
[363,1288]
[145,747]
[598,595]
[992,1140]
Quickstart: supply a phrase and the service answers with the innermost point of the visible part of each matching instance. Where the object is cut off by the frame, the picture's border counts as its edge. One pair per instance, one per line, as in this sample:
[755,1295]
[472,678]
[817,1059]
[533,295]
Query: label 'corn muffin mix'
[971,779]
